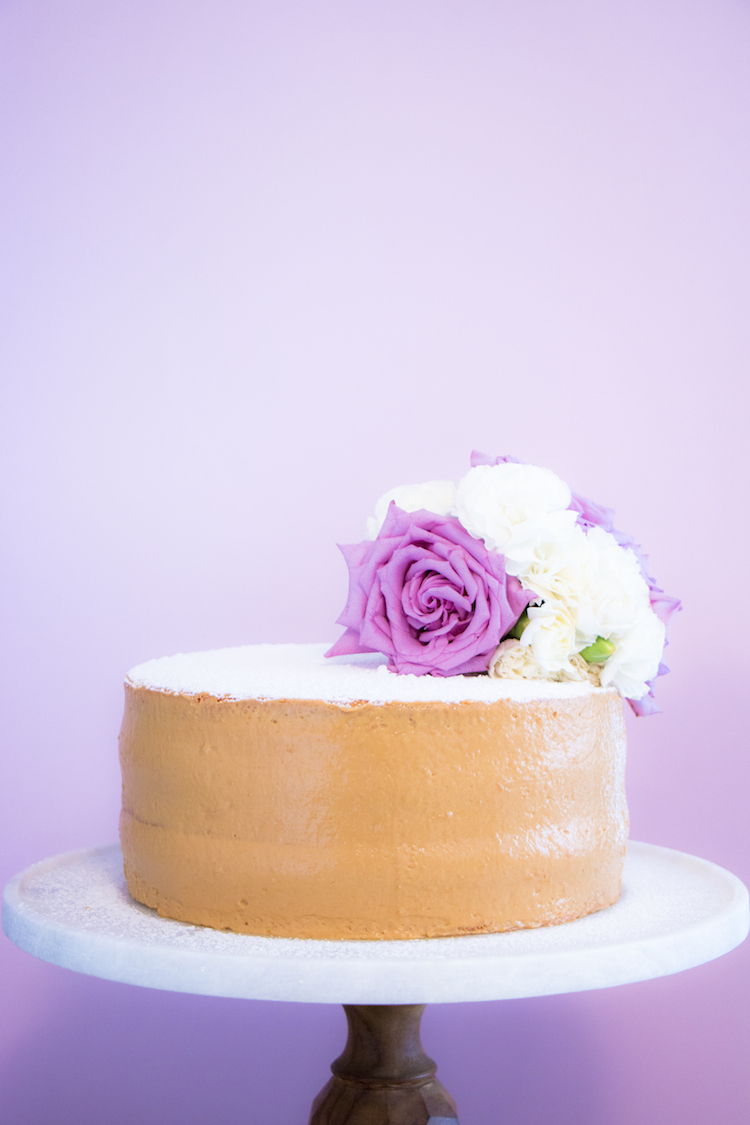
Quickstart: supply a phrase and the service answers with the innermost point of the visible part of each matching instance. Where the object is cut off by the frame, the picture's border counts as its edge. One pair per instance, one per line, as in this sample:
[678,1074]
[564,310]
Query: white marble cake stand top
[676,911]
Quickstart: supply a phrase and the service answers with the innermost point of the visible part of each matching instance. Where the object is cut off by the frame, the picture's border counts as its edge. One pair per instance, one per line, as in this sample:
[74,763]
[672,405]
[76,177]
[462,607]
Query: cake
[268,791]
[453,764]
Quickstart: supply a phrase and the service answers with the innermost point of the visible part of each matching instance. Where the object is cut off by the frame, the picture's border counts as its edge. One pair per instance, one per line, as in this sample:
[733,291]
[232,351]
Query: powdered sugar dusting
[302,672]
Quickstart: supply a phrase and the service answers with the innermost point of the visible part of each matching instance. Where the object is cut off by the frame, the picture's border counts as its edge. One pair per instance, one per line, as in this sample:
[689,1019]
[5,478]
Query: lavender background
[263,261]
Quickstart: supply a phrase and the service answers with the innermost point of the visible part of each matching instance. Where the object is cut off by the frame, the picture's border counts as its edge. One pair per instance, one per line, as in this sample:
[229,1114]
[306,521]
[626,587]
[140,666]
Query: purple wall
[265,261]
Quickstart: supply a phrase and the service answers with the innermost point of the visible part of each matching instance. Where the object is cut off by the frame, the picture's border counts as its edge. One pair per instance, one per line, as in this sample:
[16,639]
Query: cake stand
[676,911]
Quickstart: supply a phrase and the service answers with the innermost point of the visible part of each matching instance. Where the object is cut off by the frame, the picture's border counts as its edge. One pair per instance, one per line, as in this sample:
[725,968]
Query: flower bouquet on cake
[509,574]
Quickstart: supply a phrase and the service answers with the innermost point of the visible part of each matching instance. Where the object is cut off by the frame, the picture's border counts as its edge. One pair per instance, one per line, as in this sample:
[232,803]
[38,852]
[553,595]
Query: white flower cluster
[587,586]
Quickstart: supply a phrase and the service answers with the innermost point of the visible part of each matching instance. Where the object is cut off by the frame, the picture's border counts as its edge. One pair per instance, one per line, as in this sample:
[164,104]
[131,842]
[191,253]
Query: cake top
[301,672]
[507,574]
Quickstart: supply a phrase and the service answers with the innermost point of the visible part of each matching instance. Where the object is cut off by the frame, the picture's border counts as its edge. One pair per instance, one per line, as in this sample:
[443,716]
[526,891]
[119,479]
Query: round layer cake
[270,791]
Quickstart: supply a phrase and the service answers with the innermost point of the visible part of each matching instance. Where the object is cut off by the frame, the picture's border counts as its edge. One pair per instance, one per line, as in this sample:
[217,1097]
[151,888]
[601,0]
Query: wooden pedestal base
[383,1076]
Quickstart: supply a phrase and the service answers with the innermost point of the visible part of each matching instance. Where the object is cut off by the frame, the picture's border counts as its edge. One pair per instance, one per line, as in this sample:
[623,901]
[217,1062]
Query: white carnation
[599,582]
[437,496]
[614,587]
[512,507]
[551,634]
[514,661]
[636,658]
[553,569]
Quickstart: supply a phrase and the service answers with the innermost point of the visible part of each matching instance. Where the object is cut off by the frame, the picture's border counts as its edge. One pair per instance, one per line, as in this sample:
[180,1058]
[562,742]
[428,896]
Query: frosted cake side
[463,805]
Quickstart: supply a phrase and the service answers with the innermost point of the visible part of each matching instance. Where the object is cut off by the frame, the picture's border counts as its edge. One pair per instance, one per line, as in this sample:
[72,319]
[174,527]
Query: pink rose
[428,595]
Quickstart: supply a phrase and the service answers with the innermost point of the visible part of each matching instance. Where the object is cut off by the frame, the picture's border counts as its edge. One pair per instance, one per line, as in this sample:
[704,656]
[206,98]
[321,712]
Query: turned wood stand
[383,1076]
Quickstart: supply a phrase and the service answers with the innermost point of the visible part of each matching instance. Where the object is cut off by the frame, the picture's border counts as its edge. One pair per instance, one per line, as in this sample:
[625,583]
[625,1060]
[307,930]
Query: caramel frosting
[364,817]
